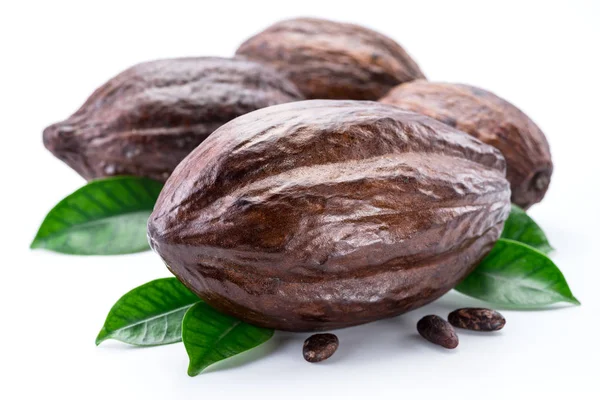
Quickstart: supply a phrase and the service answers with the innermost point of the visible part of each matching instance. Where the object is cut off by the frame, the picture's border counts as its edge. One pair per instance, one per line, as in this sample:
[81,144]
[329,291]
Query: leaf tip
[193,371]
[102,336]
[547,249]
[573,300]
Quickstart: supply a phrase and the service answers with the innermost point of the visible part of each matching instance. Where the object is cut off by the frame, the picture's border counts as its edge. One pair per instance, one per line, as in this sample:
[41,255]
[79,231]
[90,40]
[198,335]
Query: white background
[542,56]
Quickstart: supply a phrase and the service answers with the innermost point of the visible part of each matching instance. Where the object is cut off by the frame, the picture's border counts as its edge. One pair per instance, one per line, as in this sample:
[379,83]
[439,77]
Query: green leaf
[107,216]
[210,336]
[520,227]
[518,276]
[150,314]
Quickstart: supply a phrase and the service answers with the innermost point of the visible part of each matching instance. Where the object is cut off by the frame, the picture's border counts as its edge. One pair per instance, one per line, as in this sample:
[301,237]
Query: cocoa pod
[477,319]
[322,214]
[437,331]
[320,347]
[492,120]
[144,121]
[332,60]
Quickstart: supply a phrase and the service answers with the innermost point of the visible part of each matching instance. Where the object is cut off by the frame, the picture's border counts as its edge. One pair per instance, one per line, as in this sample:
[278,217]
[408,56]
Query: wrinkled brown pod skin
[144,121]
[477,319]
[322,214]
[438,331]
[492,120]
[332,60]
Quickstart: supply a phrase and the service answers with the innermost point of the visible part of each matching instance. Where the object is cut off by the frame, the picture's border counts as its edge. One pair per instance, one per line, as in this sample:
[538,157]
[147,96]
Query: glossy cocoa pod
[144,121]
[322,214]
[492,120]
[332,60]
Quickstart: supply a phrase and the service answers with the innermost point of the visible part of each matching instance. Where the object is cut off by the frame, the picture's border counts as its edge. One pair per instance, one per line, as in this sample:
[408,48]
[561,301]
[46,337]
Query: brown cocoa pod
[437,331]
[145,120]
[492,120]
[322,214]
[477,319]
[332,60]
[320,347]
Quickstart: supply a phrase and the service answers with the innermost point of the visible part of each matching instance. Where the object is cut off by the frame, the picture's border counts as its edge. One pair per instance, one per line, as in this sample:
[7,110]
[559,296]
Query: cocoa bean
[320,347]
[437,331]
[477,319]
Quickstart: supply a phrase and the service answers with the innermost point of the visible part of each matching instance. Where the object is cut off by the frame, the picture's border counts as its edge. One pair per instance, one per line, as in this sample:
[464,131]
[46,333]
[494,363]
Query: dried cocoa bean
[477,319]
[332,60]
[144,121]
[437,331]
[320,347]
[492,120]
[322,214]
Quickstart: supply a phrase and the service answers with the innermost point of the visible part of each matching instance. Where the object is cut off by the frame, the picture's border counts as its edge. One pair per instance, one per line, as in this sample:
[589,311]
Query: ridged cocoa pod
[144,121]
[492,120]
[323,214]
[332,60]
